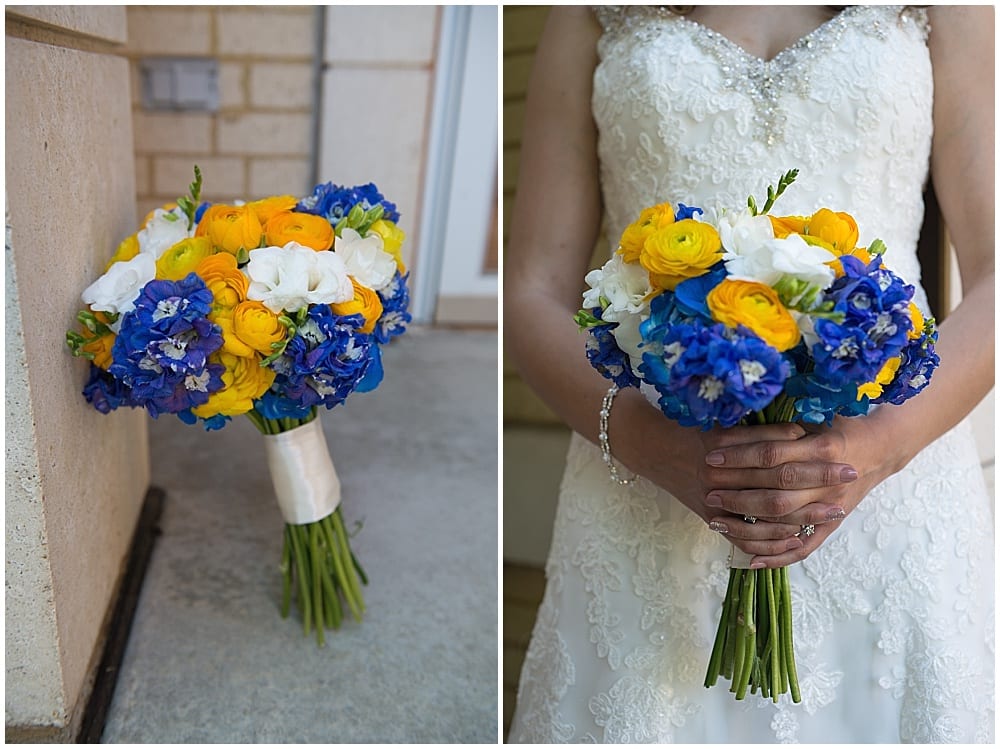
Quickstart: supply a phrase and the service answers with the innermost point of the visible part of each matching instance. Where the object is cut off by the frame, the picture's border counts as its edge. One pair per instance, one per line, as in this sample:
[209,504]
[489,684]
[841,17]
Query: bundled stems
[753,645]
[316,561]
[318,557]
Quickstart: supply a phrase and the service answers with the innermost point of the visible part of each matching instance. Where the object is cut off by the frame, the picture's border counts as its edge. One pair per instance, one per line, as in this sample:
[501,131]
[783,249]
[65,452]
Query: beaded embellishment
[764,81]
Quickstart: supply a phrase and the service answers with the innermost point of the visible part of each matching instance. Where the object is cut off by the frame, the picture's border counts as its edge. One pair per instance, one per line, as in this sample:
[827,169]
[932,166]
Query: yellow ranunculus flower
[231,228]
[392,240]
[257,326]
[635,234]
[838,231]
[684,249]
[100,347]
[785,225]
[127,250]
[268,207]
[366,303]
[886,375]
[244,380]
[308,230]
[757,307]
[183,258]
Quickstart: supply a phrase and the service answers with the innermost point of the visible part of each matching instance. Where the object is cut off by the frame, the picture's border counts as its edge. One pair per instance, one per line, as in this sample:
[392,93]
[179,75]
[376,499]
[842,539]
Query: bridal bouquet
[268,309]
[741,317]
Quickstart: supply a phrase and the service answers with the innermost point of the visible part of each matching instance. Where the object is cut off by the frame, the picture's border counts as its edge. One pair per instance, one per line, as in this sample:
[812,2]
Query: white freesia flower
[365,258]
[117,290]
[752,253]
[624,285]
[292,277]
[163,231]
[629,340]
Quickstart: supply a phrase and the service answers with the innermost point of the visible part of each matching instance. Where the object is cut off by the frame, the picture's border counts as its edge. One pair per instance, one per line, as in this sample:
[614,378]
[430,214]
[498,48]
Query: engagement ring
[749,519]
[808,530]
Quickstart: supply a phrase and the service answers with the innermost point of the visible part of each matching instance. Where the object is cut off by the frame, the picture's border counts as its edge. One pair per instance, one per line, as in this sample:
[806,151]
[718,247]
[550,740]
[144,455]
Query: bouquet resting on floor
[735,316]
[269,309]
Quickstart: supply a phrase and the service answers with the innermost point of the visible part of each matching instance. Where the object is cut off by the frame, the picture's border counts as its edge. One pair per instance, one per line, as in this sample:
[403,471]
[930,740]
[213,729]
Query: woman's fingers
[765,558]
[795,507]
[722,439]
[785,477]
[769,450]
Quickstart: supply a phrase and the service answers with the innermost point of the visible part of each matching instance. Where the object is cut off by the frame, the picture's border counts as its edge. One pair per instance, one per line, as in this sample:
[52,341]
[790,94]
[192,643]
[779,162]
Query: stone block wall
[75,479]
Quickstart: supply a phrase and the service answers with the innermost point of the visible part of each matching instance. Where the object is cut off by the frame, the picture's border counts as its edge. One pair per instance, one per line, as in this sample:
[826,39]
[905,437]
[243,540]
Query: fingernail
[715,459]
[715,525]
[713,500]
[793,543]
[836,514]
[757,565]
[848,474]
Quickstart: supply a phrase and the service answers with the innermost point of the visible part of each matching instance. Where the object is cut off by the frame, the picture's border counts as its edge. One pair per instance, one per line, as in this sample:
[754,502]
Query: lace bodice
[856,92]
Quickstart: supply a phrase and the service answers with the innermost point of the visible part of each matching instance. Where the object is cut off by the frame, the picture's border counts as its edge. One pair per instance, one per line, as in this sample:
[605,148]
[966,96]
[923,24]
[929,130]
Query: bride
[893,593]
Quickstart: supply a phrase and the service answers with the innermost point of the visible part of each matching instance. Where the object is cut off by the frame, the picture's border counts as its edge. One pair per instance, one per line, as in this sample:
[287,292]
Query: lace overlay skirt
[893,617]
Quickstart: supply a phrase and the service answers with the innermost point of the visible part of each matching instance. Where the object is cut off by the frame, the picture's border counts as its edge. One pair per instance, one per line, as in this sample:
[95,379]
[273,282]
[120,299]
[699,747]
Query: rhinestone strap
[609,399]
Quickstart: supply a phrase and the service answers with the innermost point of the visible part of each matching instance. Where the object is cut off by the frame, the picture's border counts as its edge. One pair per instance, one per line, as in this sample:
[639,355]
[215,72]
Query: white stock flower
[365,258]
[117,290]
[624,285]
[291,277]
[629,340]
[752,253]
[163,231]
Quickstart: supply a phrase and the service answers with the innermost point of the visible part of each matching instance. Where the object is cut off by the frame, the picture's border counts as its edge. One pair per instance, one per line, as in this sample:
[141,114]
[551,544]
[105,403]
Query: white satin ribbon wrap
[303,475]
[739,559]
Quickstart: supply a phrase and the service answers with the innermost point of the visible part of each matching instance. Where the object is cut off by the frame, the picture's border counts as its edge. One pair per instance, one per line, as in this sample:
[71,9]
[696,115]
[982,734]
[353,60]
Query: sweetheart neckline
[805,42]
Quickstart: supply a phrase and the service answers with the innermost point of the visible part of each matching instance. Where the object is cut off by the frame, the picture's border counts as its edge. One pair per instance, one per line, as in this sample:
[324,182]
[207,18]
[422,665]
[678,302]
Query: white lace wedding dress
[894,613]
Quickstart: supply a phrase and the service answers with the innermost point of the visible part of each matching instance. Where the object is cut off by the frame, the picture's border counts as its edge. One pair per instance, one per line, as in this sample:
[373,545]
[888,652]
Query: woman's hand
[815,480]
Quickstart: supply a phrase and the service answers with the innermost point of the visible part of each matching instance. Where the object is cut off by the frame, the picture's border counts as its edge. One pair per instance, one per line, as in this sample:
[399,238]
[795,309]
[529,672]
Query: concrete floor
[209,658]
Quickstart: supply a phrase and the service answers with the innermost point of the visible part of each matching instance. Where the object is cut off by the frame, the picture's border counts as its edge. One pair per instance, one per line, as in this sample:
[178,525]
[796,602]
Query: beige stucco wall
[75,479]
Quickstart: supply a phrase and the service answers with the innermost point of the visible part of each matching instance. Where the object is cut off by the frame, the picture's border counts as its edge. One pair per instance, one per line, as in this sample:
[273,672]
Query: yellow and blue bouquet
[743,317]
[268,309]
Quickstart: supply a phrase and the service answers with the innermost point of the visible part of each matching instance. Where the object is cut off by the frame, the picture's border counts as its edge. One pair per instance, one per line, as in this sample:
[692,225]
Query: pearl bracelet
[609,398]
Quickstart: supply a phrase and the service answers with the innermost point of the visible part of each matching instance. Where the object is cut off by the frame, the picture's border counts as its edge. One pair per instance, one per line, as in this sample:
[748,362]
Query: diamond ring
[808,530]
[749,519]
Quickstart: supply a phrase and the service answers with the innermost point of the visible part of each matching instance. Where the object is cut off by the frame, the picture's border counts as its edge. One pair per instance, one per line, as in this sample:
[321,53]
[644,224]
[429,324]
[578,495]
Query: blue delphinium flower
[606,357]
[325,361]
[817,402]
[273,405]
[919,360]
[874,303]
[162,349]
[395,315]
[712,374]
[333,202]
[106,392]
[685,211]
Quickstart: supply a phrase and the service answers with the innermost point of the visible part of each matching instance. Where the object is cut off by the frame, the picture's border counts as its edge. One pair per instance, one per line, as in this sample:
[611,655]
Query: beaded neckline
[805,42]
[764,80]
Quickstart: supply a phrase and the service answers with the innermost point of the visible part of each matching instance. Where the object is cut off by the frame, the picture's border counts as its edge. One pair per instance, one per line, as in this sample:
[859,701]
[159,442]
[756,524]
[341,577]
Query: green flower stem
[348,586]
[750,634]
[773,654]
[715,662]
[317,583]
[786,625]
[286,575]
[352,578]
[305,603]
